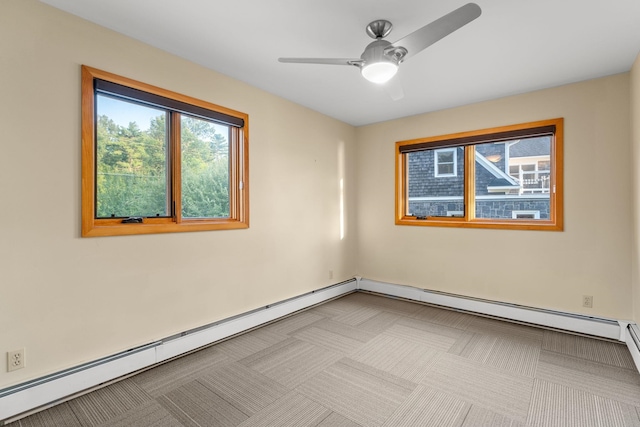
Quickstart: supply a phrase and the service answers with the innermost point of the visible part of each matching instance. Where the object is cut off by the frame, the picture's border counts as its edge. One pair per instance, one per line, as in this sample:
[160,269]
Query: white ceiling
[516,46]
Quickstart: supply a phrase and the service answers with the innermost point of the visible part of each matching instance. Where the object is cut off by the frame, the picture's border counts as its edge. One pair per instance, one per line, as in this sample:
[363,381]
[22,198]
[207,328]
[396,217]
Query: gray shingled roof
[501,182]
[538,146]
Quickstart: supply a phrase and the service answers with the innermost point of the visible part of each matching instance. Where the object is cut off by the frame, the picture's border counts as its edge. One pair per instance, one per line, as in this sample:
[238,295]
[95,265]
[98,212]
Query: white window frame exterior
[514,214]
[436,163]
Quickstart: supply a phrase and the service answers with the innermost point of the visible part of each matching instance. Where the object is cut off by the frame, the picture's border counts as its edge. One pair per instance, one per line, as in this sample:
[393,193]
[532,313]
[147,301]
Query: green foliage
[205,170]
[133,167]
[205,192]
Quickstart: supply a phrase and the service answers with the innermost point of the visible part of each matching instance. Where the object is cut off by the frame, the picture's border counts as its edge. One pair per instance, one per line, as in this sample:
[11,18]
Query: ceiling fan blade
[326,61]
[441,27]
[394,89]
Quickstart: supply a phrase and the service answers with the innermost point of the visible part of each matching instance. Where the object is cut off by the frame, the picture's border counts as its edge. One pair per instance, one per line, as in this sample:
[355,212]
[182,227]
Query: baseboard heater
[633,343]
[572,322]
[17,401]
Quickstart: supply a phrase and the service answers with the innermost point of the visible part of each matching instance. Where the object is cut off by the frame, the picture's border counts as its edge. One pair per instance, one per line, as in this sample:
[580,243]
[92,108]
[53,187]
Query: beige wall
[635,143]
[534,268]
[70,300]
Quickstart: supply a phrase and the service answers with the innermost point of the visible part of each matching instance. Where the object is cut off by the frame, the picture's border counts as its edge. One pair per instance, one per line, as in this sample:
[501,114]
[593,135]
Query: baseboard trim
[572,322]
[633,343]
[16,401]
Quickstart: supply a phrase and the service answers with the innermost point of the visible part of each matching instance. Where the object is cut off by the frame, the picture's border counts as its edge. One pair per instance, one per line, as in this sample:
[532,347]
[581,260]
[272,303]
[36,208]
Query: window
[525,214]
[445,162]
[510,177]
[154,161]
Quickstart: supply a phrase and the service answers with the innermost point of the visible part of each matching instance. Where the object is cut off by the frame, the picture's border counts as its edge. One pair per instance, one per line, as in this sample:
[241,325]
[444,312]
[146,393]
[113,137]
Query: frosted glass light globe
[379,72]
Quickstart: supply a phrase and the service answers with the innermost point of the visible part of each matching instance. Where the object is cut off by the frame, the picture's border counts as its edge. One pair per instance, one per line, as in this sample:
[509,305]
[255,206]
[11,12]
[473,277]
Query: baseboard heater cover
[22,398]
[633,343]
[596,326]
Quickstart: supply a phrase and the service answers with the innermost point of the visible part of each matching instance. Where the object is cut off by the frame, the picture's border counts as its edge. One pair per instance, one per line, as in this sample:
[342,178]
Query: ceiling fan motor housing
[381,51]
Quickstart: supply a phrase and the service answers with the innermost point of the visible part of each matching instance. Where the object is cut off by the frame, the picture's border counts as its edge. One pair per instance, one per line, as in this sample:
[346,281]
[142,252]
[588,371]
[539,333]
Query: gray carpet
[366,360]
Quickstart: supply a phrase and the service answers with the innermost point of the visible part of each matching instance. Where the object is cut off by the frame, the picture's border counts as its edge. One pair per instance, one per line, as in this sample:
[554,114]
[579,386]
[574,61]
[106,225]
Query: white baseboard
[237,324]
[53,388]
[596,326]
[633,343]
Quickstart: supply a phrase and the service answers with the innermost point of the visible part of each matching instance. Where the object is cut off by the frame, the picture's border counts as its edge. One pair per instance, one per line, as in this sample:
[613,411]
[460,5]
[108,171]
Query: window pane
[445,156]
[205,168]
[445,163]
[131,160]
[429,194]
[508,179]
[445,169]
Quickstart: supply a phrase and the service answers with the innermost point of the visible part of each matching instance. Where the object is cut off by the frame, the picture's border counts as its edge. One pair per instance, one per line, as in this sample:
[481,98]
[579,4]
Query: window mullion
[176,169]
[469,182]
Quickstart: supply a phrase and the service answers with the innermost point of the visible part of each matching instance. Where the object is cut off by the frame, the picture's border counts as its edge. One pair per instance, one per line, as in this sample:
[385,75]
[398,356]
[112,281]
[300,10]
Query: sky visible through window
[122,113]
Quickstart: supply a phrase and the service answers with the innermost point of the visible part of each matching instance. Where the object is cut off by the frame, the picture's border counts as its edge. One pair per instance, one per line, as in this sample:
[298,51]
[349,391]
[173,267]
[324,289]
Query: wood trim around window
[238,161]
[555,222]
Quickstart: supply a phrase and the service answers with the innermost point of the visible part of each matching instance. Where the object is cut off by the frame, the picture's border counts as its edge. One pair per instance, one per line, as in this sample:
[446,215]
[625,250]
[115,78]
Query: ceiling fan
[380,60]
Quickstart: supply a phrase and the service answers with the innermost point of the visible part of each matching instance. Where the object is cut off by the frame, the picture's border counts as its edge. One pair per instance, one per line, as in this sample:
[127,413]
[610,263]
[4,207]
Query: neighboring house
[511,179]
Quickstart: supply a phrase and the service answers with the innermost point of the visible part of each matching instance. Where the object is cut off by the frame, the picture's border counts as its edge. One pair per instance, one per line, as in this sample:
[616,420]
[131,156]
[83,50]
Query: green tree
[132,169]
[205,170]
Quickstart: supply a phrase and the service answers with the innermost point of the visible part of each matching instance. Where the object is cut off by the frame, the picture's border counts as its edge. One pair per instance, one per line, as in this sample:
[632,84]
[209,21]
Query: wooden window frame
[238,170]
[468,140]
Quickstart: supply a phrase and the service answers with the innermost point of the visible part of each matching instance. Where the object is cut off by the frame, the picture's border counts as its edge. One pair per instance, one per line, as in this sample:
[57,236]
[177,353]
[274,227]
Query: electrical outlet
[15,360]
[330,274]
[587,301]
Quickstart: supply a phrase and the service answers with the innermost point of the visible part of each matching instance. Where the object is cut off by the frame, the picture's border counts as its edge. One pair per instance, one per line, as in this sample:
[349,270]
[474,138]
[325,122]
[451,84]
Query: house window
[154,161]
[511,177]
[445,161]
[525,214]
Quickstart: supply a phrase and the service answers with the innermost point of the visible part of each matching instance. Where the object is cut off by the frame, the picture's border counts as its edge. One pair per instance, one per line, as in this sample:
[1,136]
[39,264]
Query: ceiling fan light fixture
[380,60]
[379,72]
